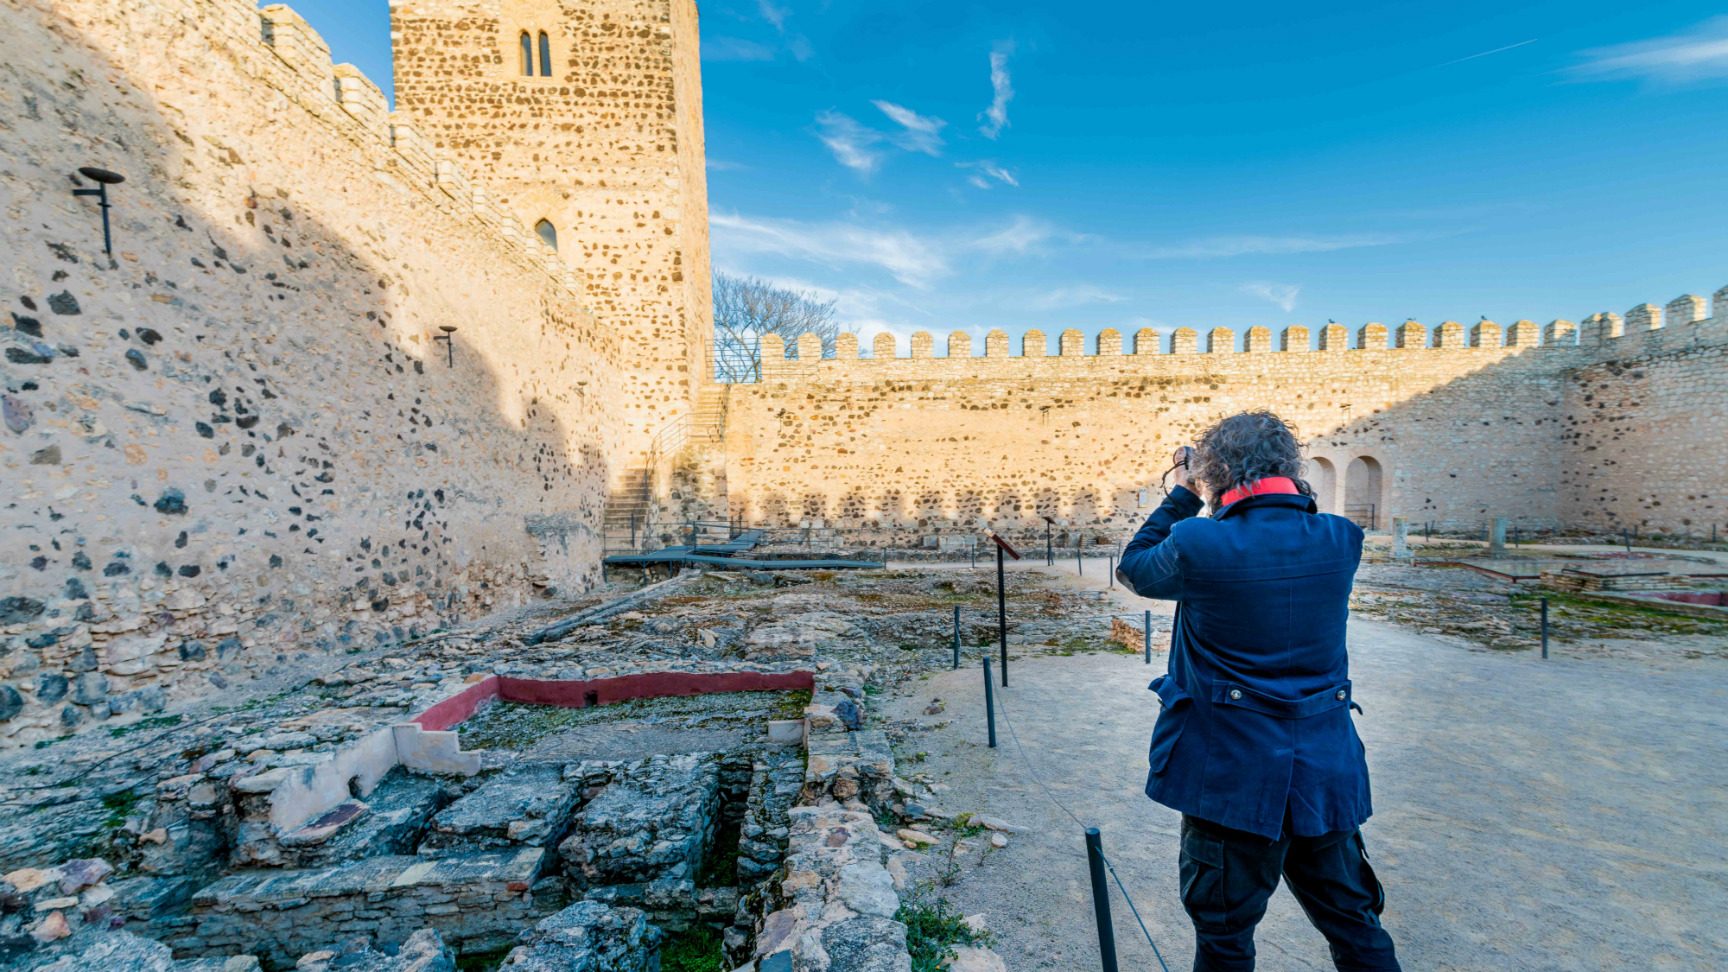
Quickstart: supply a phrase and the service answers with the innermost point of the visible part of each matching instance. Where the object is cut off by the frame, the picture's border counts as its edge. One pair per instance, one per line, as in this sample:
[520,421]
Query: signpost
[1002,549]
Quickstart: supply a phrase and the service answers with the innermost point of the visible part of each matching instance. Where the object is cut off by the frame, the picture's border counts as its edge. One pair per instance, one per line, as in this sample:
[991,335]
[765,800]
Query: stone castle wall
[608,148]
[237,444]
[1452,425]
[1646,444]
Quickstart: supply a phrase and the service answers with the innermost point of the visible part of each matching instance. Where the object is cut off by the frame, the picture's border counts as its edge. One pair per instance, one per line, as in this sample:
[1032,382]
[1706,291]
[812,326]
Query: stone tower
[583,119]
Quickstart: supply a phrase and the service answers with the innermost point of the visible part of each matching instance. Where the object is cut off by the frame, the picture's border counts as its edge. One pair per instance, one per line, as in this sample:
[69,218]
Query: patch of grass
[933,928]
[792,704]
[119,806]
[1614,618]
[696,950]
[145,725]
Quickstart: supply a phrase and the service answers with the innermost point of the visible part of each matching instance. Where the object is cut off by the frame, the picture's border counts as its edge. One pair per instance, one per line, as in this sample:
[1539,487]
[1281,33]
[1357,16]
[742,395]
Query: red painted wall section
[604,691]
[453,710]
[652,685]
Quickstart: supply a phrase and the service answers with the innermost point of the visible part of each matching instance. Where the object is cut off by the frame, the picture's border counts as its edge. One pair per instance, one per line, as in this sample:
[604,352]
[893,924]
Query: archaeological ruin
[388,584]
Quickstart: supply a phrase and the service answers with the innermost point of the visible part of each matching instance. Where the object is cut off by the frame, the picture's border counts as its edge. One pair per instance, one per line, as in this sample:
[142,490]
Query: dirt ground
[1532,815]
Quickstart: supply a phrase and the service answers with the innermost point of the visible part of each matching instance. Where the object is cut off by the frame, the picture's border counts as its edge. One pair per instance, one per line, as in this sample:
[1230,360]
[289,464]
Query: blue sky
[943,165]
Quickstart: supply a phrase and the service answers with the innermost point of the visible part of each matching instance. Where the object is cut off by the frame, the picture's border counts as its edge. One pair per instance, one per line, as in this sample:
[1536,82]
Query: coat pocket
[1171,719]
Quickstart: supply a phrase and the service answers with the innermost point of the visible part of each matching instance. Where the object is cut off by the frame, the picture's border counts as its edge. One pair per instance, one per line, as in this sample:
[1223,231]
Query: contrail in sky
[1497,50]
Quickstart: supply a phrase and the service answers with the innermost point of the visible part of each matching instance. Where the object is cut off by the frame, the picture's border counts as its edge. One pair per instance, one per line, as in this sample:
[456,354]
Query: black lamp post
[449,342]
[103,179]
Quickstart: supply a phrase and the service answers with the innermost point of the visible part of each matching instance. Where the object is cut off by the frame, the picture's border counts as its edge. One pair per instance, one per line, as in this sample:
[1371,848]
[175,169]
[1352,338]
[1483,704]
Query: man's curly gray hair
[1246,448]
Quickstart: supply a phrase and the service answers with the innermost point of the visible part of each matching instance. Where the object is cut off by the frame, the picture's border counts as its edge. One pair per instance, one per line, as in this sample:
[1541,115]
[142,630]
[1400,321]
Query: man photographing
[1255,744]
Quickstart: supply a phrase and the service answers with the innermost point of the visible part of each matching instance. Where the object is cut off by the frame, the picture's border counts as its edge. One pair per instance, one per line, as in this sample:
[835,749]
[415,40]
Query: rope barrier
[1032,772]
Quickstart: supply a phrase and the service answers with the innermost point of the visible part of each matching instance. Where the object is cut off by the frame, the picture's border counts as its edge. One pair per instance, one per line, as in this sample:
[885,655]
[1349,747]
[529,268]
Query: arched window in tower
[527,54]
[547,232]
[545,55]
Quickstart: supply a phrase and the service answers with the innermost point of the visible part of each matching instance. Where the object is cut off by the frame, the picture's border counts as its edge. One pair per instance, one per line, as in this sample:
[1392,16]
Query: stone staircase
[635,517]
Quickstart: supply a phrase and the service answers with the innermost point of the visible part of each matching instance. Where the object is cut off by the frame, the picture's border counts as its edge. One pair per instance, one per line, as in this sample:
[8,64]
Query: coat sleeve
[1150,563]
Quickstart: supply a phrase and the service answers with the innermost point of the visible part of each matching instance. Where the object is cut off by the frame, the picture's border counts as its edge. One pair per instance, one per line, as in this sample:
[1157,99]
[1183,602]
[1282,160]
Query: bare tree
[747,308]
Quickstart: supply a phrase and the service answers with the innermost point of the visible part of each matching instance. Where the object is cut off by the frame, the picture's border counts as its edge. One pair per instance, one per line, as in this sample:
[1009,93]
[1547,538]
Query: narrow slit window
[545,55]
[527,54]
[547,232]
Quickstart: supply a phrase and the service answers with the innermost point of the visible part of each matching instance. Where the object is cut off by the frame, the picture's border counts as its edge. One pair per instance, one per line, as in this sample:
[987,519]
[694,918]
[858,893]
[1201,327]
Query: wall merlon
[1033,344]
[773,349]
[923,345]
[1334,337]
[1523,334]
[959,344]
[1145,341]
[298,45]
[882,347]
[1719,305]
[810,347]
[1258,340]
[1071,344]
[1450,334]
[455,182]
[1644,317]
[996,344]
[1296,338]
[1686,309]
[1410,335]
[1184,340]
[1560,333]
[359,97]
[1221,340]
[1109,341]
[411,146]
[846,346]
[1487,334]
[1372,337]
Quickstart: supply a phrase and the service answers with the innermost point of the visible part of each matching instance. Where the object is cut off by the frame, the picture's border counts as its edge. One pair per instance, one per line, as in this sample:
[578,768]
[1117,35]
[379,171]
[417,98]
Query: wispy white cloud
[1081,295]
[1698,54]
[912,260]
[1283,295]
[1497,50]
[995,117]
[735,49]
[723,165]
[918,133]
[982,172]
[1213,247]
[1022,235]
[853,144]
[773,14]
[915,260]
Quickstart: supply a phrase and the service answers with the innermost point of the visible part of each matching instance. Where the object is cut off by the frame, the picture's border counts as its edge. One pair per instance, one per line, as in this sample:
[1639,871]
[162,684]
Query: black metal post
[1544,627]
[1002,610]
[1626,535]
[956,636]
[974,555]
[632,531]
[1112,571]
[1101,898]
[989,702]
[1148,637]
[1049,545]
[1079,568]
[101,194]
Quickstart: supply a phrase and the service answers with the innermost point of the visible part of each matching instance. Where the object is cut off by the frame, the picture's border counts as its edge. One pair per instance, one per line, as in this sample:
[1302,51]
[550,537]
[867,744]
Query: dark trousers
[1228,876]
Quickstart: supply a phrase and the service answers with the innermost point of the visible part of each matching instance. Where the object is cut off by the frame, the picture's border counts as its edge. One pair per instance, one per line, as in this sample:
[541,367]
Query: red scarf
[1270,486]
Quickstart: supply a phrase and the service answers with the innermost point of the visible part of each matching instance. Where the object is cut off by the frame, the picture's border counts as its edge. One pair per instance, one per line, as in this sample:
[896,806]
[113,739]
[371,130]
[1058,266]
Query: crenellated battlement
[298,46]
[1684,319]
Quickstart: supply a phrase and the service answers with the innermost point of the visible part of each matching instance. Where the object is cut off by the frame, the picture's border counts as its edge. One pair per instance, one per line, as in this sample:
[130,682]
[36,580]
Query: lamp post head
[104,176]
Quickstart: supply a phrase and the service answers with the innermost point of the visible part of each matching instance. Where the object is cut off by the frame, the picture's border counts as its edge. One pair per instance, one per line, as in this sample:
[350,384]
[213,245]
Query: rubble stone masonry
[238,443]
[1455,426]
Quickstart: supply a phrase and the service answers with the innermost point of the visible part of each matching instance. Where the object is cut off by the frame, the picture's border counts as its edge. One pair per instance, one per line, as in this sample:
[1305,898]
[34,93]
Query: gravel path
[1559,815]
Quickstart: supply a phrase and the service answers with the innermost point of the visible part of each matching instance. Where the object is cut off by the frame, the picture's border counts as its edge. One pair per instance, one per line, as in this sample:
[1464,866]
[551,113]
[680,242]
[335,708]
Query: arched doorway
[1324,479]
[1364,494]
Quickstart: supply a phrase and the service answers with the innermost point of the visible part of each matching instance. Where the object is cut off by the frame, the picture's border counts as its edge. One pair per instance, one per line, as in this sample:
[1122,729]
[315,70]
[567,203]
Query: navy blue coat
[1256,705]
